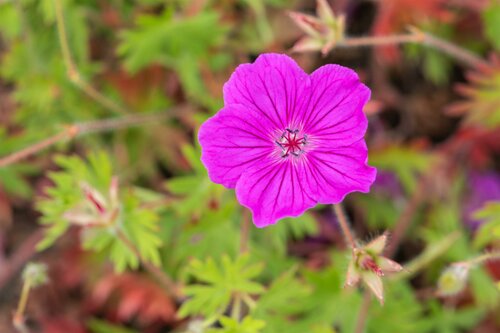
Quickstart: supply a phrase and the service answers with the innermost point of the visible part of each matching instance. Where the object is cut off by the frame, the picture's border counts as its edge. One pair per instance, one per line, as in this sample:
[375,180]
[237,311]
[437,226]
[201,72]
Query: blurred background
[119,88]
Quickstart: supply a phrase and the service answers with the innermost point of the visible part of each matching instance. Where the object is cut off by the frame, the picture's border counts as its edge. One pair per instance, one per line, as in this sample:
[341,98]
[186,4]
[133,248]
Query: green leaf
[490,228]
[491,20]
[100,326]
[406,162]
[281,302]
[451,320]
[139,225]
[247,325]
[220,280]
[166,38]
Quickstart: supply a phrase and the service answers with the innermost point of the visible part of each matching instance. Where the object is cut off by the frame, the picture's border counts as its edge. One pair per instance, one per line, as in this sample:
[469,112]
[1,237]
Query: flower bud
[453,279]
[368,265]
[323,32]
[36,274]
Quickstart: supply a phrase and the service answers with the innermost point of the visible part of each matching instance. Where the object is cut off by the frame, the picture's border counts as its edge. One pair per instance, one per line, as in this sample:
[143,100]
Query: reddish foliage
[134,296]
[5,211]
[476,145]
[61,325]
[134,88]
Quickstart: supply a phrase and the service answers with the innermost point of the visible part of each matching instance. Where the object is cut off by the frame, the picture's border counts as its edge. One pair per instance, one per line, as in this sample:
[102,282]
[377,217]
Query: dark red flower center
[370,264]
[291,143]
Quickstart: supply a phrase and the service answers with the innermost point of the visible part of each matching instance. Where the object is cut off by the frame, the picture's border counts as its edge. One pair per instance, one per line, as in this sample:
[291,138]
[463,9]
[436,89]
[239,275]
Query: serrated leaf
[138,224]
[222,279]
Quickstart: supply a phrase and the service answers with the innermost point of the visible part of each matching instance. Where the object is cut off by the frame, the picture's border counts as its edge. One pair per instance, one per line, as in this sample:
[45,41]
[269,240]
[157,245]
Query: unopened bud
[36,274]
[453,279]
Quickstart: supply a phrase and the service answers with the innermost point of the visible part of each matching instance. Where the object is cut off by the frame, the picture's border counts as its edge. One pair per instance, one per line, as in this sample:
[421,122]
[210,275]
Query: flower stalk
[344,225]
[34,275]
[78,129]
[326,31]
[18,320]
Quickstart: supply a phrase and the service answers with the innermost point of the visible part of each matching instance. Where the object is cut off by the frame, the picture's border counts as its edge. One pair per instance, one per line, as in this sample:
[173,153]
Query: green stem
[236,309]
[77,129]
[418,37]
[72,70]
[483,258]
[18,319]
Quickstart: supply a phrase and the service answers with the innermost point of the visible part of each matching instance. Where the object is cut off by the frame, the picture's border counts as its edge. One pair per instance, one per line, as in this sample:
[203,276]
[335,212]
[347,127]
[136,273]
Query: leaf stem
[430,254]
[71,69]
[483,258]
[418,37]
[236,309]
[33,149]
[18,319]
[159,274]
[78,129]
[344,225]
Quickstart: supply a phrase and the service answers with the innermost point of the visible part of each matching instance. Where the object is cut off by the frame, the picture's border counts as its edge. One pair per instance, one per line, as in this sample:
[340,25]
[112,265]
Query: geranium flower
[286,140]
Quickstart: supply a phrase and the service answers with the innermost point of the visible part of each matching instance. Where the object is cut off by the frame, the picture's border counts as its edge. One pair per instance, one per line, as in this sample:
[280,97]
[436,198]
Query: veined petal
[286,140]
[232,141]
[332,174]
[274,86]
[334,112]
[273,190]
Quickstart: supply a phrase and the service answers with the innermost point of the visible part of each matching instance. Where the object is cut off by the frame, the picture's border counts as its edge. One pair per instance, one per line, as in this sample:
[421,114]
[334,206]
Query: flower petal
[374,282]
[377,245]
[335,110]
[353,275]
[334,173]
[231,141]
[273,190]
[389,266]
[274,85]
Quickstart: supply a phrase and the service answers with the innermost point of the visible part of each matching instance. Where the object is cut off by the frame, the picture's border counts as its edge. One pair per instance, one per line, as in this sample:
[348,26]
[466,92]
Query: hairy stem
[78,129]
[159,274]
[72,71]
[363,312]
[33,149]
[430,254]
[418,37]
[344,225]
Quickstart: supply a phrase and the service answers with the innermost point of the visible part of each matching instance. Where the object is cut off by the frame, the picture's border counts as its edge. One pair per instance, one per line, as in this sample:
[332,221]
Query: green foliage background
[172,57]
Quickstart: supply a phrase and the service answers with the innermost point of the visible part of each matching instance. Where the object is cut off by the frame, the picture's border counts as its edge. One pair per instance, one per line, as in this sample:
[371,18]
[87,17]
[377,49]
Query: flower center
[291,143]
[369,264]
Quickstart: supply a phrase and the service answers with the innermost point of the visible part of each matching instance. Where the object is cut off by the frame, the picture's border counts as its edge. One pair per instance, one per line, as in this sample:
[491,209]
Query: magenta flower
[286,140]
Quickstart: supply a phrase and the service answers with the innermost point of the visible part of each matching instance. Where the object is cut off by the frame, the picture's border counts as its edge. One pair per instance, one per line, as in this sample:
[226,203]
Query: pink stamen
[370,264]
[290,144]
